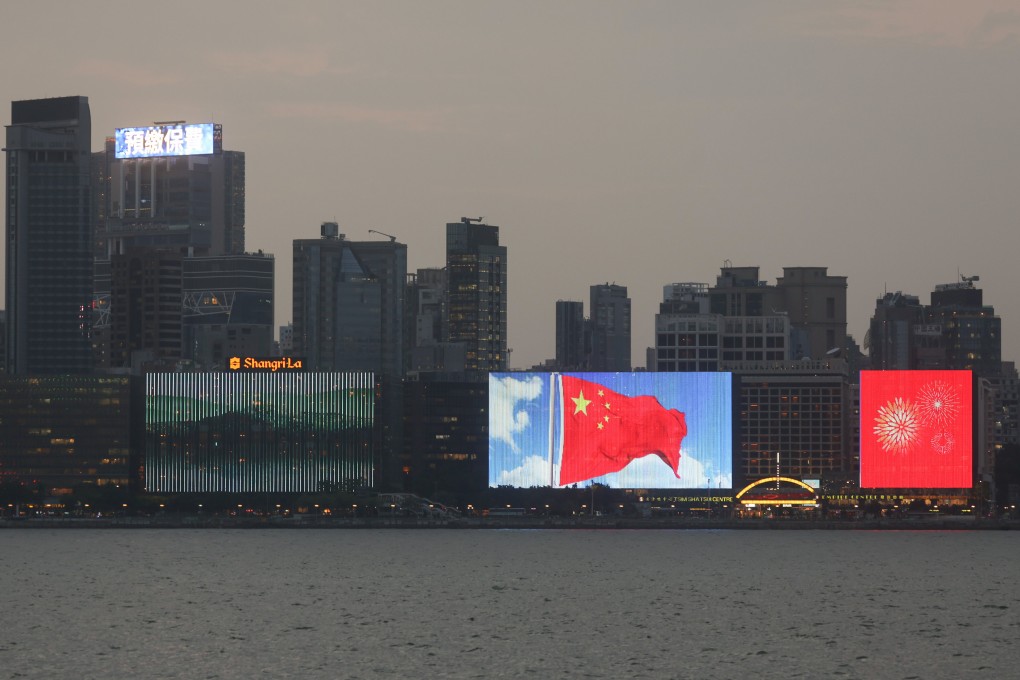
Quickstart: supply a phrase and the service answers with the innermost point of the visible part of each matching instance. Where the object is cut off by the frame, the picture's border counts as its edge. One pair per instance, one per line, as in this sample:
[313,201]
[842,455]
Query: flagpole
[552,421]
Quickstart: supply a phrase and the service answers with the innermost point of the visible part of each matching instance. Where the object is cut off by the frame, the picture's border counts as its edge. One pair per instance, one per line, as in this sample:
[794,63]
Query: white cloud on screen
[505,420]
[534,471]
[651,472]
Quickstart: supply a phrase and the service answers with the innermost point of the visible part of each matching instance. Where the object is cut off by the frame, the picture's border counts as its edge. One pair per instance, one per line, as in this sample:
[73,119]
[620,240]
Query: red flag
[603,431]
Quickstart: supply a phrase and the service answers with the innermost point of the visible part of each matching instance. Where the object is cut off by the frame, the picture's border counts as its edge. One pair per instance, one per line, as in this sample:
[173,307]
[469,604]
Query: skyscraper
[156,192]
[476,268]
[155,304]
[610,322]
[971,332]
[571,352]
[348,303]
[49,247]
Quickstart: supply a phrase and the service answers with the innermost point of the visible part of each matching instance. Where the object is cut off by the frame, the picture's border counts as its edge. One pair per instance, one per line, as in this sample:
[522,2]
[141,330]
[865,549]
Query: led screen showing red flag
[603,431]
[916,429]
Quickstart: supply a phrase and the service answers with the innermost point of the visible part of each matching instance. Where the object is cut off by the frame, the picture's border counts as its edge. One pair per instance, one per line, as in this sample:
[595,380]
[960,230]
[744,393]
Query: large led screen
[284,431]
[626,430]
[916,429]
[164,140]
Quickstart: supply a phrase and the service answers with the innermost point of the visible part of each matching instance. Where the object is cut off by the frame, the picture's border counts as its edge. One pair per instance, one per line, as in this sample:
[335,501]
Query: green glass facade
[258,431]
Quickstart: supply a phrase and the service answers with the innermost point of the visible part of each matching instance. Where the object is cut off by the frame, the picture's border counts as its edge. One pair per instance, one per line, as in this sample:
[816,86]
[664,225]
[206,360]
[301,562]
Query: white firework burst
[937,403]
[897,425]
[942,442]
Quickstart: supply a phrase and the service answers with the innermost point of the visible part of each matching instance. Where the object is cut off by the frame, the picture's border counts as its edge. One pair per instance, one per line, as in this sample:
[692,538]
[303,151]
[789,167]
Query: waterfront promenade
[941,523]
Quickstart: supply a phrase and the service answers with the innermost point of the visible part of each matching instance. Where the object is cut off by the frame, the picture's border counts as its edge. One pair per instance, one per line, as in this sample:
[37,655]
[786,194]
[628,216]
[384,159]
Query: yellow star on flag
[580,404]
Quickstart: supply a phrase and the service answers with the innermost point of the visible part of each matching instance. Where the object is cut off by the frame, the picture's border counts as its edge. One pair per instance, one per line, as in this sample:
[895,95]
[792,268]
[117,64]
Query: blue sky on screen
[523,451]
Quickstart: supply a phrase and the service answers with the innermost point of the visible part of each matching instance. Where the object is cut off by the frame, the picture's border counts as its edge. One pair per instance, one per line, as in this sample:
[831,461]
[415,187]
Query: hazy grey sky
[634,142]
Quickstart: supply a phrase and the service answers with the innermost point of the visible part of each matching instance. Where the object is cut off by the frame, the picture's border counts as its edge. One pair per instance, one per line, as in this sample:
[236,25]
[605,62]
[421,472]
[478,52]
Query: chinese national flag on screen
[603,431]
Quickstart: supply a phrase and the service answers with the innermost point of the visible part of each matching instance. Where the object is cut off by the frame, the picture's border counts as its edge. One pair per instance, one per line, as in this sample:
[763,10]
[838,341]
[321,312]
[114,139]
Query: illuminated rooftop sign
[273,364]
[176,139]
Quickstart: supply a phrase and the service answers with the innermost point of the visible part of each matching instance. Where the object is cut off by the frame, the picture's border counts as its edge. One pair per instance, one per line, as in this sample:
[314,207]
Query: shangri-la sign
[273,364]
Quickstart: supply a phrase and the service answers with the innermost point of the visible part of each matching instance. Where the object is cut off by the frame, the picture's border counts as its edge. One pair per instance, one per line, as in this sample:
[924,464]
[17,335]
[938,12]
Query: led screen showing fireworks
[916,429]
[626,430]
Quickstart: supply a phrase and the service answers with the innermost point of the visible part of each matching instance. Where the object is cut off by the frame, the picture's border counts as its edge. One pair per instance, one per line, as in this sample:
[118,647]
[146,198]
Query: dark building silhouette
[349,303]
[814,302]
[971,332]
[145,307]
[446,442]
[610,328]
[194,203]
[155,308]
[3,341]
[572,336]
[899,337]
[476,268]
[58,432]
[49,244]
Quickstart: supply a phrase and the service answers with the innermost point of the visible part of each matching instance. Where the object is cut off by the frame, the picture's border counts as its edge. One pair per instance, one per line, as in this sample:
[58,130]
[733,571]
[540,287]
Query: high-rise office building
[155,308]
[571,336]
[3,341]
[145,308]
[899,338]
[476,267]
[814,302]
[387,261]
[49,245]
[227,308]
[971,332]
[63,431]
[170,185]
[426,349]
[348,303]
[610,328]
[816,305]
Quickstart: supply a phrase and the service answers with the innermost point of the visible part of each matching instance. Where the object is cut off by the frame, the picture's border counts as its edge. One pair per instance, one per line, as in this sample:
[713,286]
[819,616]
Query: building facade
[59,432]
[346,317]
[49,244]
[813,300]
[971,332]
[793,423]
[155,308]
[572,336]
[192,202]
[610,328]
[476,268]
[258,431]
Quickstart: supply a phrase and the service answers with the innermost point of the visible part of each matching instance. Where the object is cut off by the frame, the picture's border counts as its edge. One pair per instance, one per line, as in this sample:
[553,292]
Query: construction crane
[469,220]
[391,238]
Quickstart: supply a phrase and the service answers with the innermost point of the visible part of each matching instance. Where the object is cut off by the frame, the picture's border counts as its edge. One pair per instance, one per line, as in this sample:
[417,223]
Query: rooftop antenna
[390,237]
[468,220]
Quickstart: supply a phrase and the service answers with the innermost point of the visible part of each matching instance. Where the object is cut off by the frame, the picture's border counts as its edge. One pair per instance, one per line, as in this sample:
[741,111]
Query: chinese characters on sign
[165,140]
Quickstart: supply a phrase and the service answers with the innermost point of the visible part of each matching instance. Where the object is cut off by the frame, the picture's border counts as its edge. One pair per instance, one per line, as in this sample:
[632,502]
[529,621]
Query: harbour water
[390,603]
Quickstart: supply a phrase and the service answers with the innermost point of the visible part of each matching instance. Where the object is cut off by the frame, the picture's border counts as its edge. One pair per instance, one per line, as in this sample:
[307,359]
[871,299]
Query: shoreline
[530,523]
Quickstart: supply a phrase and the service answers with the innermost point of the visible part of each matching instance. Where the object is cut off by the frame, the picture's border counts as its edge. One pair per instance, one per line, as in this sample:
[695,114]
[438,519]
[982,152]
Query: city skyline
[640,144]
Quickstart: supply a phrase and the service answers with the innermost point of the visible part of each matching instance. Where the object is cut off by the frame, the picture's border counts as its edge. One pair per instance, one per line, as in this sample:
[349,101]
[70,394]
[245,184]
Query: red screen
[916,429]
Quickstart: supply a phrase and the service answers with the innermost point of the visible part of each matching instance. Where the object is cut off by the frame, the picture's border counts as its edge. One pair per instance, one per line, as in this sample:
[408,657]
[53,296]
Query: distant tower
[570,335]
[349,303]
[162,194]
[816,303]
[610,322]
[476,268]
[49,245]
[971,332]
[896,333]
[145,308]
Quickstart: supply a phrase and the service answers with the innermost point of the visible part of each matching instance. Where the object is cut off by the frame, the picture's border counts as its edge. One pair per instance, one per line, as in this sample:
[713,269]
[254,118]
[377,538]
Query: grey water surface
[387,603]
